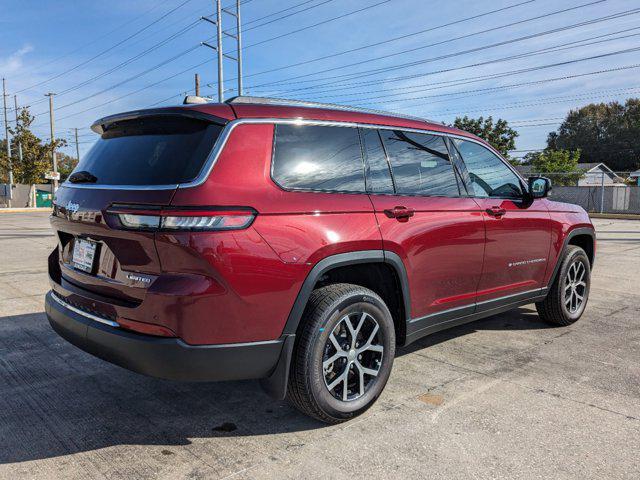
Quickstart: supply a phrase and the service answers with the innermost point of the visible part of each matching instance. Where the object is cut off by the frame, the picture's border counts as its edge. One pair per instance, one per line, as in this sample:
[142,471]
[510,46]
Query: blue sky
[435,59]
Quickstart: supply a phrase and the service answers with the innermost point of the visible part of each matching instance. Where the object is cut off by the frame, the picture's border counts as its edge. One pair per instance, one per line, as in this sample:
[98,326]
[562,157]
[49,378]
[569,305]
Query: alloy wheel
[352,356]
[575,286]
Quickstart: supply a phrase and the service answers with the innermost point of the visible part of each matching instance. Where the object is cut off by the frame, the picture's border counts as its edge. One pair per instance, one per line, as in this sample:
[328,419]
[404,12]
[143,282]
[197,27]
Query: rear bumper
[168,358]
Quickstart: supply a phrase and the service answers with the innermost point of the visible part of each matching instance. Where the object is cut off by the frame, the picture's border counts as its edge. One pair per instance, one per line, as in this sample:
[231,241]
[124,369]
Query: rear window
[311,157]
[420,163]
[151,151]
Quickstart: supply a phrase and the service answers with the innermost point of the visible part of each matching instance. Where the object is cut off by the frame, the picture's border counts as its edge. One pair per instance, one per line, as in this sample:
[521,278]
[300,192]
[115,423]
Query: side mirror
[539,187]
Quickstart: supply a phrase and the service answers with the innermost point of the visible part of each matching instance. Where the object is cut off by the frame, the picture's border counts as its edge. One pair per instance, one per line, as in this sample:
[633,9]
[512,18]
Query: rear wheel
[343,354]
[569,293]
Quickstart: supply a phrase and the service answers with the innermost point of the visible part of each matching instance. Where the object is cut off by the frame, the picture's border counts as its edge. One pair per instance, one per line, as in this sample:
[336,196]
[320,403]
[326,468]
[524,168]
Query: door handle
[400,213]
[496,211]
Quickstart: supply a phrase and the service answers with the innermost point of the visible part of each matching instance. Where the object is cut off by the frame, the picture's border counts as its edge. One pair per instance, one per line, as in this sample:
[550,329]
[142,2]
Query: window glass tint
[150,151]
[318,158]
[378,174]
[489,176]
[420,163]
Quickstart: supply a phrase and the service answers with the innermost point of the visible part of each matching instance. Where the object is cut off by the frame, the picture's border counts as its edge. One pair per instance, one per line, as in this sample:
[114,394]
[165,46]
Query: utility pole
[77,146]
[218,46]
[15,104]
[239,43]
[219,49]
[6,133]
[197,78]
[602,193]
[54,161]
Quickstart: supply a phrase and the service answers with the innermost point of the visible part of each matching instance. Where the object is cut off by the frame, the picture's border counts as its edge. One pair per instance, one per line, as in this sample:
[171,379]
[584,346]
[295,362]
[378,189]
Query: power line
[524,84]
[129,79]
[108,49]
[190,69]
[401,37]
[275,13]
[537,125]
[134,58]
[537,120]
[339,17]
[75,87]
[96,40]
[286,16]
[541,101]
[455,82]
[139,55]
[126,62]
[365,73]
[493,76]
[173,58]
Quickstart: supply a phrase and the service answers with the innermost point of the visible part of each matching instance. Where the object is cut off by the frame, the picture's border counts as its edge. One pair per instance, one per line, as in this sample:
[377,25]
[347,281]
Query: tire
[323,329]
[561,307]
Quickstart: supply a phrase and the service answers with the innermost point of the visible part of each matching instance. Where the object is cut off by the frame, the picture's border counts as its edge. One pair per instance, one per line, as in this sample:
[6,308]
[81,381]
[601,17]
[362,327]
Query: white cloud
[13,62]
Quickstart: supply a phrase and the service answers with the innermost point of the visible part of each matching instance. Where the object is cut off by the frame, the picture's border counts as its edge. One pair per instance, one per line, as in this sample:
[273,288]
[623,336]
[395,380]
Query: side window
[318,158]
[376,165]
[489,176]
[420,163]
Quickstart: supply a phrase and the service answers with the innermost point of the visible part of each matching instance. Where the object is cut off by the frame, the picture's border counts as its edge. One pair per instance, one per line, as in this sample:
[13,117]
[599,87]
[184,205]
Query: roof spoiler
[101,125]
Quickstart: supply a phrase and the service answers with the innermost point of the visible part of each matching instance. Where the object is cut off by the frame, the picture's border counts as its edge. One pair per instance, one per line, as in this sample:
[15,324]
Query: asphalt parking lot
[506,397]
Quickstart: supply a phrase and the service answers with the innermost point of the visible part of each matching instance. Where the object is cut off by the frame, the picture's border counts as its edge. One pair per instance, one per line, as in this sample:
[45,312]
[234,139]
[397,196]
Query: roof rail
[330,106]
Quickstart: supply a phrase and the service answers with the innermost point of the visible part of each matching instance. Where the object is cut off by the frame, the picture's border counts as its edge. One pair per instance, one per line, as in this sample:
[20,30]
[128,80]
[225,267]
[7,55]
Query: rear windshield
[150,151]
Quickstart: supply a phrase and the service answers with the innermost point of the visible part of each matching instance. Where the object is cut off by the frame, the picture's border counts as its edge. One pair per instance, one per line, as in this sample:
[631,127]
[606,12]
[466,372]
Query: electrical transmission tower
[220,33]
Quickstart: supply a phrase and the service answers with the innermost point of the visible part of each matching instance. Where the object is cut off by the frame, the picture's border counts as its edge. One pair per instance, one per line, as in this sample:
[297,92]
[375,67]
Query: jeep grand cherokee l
[299,244]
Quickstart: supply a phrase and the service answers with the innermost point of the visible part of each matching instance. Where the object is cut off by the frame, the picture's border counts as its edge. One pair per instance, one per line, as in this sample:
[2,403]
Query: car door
[518,231]
[437,232]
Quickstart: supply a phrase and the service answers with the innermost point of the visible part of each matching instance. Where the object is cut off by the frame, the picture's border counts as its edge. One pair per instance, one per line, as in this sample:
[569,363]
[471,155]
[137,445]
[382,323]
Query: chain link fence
[597,192]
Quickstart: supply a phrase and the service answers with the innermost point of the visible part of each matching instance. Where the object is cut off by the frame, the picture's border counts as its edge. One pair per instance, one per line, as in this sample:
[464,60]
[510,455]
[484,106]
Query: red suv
[299,244]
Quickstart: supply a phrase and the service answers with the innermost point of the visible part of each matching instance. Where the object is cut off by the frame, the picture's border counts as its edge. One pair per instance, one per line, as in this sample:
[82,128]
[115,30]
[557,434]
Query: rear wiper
[82,177]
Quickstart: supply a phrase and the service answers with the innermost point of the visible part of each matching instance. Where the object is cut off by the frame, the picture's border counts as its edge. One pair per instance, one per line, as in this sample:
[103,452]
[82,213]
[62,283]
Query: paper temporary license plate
[84,252]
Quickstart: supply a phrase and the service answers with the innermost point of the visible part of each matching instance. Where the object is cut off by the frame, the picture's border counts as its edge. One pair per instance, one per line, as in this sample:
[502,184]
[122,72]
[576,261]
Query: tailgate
[125,262]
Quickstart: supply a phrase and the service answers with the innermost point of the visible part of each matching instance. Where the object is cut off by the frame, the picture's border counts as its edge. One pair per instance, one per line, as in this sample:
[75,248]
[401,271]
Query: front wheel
[343,354]
[569,293]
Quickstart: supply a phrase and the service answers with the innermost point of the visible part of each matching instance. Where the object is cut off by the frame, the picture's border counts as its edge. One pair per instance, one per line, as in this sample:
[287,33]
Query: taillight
[182,219]
[132,220]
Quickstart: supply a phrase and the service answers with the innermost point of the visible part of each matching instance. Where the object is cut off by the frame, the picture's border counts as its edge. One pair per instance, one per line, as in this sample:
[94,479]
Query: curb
[25,210]
[616,216]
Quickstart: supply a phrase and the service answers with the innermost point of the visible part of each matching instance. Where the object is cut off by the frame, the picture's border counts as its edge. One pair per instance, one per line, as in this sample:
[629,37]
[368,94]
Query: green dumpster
[43,198]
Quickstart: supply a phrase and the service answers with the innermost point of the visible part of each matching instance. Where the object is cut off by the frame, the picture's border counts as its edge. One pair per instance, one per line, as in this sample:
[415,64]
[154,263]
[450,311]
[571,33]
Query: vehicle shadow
[57,400]
[517,319]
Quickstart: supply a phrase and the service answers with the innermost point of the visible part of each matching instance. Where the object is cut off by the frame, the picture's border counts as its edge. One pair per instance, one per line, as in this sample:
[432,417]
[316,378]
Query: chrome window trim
[228,128]
[95,318]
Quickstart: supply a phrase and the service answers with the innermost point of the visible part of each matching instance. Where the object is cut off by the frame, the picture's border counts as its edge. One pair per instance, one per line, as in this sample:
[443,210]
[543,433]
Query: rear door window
[313,157]
[376,164]
[420,163]
[151,151]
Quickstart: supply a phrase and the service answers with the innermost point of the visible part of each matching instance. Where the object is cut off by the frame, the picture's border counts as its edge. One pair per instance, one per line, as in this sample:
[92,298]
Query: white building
[596,174]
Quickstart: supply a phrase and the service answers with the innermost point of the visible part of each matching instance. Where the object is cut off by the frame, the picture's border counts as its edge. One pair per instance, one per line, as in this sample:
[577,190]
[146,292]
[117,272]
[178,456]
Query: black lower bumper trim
[168,358]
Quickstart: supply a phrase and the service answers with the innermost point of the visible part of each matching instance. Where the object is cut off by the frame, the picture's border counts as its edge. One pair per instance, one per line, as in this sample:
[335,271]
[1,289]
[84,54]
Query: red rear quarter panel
[258,271]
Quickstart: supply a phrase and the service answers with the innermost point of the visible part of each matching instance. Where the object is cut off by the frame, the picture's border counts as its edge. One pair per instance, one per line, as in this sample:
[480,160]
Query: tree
[605,133]
[66,164]
[560,165]
[36,154]
[499,135]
